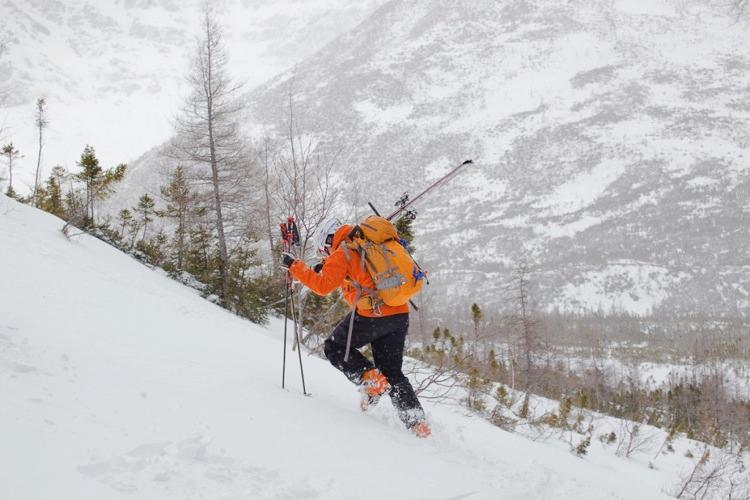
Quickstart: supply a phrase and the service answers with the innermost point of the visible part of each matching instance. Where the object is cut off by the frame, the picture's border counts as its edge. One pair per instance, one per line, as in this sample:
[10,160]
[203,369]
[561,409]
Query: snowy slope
[117,382]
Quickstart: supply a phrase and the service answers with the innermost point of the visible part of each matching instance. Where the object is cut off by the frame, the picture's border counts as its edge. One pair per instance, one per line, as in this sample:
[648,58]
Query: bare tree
[267,195]
[41,123]
[722,476]
[526,326]
[208,135]
[440,379]
[304,172]
[448,360]
[633,439]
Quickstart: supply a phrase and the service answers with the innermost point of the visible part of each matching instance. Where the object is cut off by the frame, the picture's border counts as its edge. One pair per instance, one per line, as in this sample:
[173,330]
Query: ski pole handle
[295,233]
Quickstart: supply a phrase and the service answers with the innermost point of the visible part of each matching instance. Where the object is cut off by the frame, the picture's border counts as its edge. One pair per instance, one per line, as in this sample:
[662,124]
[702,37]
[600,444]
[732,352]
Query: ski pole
[430,188]
[290,238]
[286,321]
[285,248]
[297,335]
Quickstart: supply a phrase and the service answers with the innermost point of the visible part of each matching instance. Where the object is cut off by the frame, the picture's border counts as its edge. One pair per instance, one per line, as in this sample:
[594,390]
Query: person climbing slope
[371,321]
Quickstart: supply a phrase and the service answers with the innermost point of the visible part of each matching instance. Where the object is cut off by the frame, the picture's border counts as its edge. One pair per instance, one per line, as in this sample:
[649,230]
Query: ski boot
[374,384]
[421,429]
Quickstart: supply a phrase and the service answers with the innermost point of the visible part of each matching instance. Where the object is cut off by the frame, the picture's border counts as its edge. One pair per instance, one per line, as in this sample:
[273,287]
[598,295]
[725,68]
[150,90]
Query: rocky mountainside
[612,143]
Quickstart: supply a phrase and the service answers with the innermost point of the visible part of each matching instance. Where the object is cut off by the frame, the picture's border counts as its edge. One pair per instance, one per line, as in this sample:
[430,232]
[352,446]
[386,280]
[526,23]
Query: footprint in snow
[181,464]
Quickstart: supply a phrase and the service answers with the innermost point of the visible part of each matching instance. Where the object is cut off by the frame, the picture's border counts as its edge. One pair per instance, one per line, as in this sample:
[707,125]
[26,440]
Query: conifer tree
[199,255]
[246,297]
[74,205]
[145,210]
[90,174]
[157,245]
[476,318]
[10,153]
[181,205]
[125,218]
[404,222]
[97,181]
[52,198]
[154,249]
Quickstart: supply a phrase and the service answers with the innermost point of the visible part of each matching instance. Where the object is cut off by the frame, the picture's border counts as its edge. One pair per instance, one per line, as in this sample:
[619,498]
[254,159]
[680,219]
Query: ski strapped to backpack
[386,258]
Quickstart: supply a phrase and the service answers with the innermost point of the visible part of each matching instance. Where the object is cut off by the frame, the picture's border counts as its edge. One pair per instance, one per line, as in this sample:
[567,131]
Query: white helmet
[324,236]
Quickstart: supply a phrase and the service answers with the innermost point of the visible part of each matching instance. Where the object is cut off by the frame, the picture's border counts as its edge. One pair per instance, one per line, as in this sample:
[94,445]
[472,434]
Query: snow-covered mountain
[118,382]
[113,71]
[612,141]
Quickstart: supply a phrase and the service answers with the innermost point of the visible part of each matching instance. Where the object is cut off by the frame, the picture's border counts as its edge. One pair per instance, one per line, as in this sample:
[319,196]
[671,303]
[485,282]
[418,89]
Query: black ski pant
[386,336]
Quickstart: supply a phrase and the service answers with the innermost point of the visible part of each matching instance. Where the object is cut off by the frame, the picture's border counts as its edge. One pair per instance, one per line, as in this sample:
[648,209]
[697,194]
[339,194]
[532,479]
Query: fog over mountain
[113,72]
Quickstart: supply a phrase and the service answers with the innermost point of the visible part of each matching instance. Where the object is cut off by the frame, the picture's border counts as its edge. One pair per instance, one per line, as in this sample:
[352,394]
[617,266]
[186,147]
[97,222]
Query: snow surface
[118,382]
[646,7]
[581,190]
[620,286]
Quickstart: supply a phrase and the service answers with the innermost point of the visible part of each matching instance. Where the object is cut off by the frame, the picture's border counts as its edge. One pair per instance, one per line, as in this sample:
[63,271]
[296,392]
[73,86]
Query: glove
[318,267]
[287,260]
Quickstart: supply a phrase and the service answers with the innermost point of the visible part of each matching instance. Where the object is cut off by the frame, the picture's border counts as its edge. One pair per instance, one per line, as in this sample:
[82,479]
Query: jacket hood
[340,235]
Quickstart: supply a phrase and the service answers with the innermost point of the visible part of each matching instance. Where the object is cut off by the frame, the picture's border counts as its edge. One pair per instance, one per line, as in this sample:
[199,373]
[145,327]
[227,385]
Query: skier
[384,329]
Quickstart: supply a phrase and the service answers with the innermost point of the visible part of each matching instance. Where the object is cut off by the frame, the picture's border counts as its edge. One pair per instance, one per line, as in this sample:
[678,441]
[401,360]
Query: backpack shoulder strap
[347,252]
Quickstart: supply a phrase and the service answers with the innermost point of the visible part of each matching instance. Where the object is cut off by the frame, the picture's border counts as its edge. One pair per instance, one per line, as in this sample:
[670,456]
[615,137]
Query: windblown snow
[117,382]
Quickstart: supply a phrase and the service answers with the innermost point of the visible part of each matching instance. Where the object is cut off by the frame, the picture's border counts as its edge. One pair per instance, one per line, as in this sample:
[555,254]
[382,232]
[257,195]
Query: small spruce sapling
[10,153]
[583,447]
[145,210]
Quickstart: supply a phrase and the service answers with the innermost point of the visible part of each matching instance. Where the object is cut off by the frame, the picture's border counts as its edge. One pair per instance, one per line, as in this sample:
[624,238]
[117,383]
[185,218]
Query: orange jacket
[337,267]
